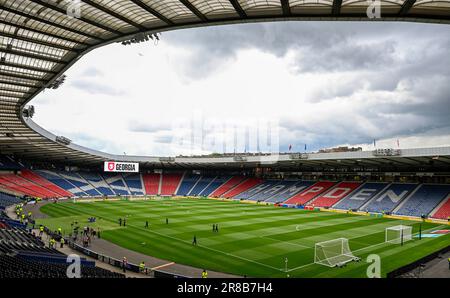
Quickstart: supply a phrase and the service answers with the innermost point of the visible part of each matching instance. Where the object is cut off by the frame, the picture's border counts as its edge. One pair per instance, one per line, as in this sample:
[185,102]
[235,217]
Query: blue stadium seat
[424,200]
[361,196]
[187,183]
[388,199]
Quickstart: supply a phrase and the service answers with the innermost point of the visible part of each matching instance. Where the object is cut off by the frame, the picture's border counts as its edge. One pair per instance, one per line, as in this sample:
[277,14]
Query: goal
[398,234]
[333,253]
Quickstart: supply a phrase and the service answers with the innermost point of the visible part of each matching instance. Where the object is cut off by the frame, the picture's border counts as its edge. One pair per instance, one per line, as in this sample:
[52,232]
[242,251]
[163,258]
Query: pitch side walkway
[112,250]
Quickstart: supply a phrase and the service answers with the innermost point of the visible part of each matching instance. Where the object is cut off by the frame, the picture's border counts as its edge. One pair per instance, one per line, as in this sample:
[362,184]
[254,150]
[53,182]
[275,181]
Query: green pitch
[253,240]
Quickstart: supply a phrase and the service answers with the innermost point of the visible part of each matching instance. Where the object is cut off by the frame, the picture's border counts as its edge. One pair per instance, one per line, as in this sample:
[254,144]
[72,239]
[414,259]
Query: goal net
[333,253]
[398,234]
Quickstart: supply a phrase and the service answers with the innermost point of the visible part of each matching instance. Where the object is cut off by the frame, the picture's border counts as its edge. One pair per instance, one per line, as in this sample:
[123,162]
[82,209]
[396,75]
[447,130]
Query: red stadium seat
[151,183]
[310,193]
[15,182]
[444,210]
[35,178]
[243,186]
[170,183]
[335,194]
[227,186]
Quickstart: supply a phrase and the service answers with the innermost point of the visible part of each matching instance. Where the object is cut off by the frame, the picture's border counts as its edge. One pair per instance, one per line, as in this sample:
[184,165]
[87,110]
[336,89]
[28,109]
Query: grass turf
[253,240]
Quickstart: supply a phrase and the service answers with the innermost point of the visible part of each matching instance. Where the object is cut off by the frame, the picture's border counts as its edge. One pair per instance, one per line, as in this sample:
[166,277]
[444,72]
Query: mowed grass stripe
[240,247]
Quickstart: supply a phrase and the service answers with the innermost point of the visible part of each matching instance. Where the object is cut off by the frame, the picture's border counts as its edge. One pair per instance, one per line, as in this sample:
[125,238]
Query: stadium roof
[41,39]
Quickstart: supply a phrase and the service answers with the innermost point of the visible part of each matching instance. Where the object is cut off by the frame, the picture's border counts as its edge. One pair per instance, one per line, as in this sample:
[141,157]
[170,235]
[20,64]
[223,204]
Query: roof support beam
[39,42]
[114,14]
[19,84]
[44,21]
[27,67]
[336,9]
[406,6]
[239,8]
[33,56]
[44,33]
[286,7]
[20,76]
[152,11]
[194,10]
[14,90]
[81,18]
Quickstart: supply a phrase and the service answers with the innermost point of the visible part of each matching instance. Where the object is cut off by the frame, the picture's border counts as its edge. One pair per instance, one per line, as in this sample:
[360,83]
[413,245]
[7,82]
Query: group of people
[122,221]
[215,228]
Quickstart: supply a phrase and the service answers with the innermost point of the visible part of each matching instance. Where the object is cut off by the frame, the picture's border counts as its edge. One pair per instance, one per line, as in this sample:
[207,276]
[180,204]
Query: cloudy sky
[257,87]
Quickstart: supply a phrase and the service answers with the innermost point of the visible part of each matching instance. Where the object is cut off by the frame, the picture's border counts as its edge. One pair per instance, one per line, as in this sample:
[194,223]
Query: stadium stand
[6,163]
[388,199]
[228,185]
[270,191]
[310,193]
[80,182]
[201,184]
[23,255]
[35,178]
[19,267]
[134,183]
[442,210]
[241,187]
[358,198]
[250,193]
[15,182]
[334,195]
[289,192]
[61,182]
[217,182]
[97,182]
[151,183]
[8,200]
[188,182]
[423,200]
[117,184]
[170,183]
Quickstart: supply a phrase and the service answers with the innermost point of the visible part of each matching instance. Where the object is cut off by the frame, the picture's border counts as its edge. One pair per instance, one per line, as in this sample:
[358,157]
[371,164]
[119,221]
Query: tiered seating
[35,178]
[388,199]
[337,193]
[19,267]
[358,198]
[61,182]
[80,182]
[289,192]
[151,183]
[424,200]
[8,200]
[310,193]
[235,180]
[241,187]
[115,181]
[248,194]
[187,184]
[19,240]
[202,183]
[7,163]
[218,181]
[134,183]
[443,211]
[272,190]
[169,184]
[15,182]
[97,182]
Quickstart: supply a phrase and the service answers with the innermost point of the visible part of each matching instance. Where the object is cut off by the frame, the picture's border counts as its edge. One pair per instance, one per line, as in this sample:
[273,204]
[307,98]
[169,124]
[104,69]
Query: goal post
[333,253]
[398,234]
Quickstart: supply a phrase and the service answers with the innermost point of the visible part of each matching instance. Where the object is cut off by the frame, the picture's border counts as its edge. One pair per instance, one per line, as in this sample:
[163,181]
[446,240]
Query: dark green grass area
[253,240]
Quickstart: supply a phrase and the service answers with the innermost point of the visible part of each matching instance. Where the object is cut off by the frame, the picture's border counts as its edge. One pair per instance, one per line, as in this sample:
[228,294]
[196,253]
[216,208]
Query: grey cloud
[96,88]
[150,127]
